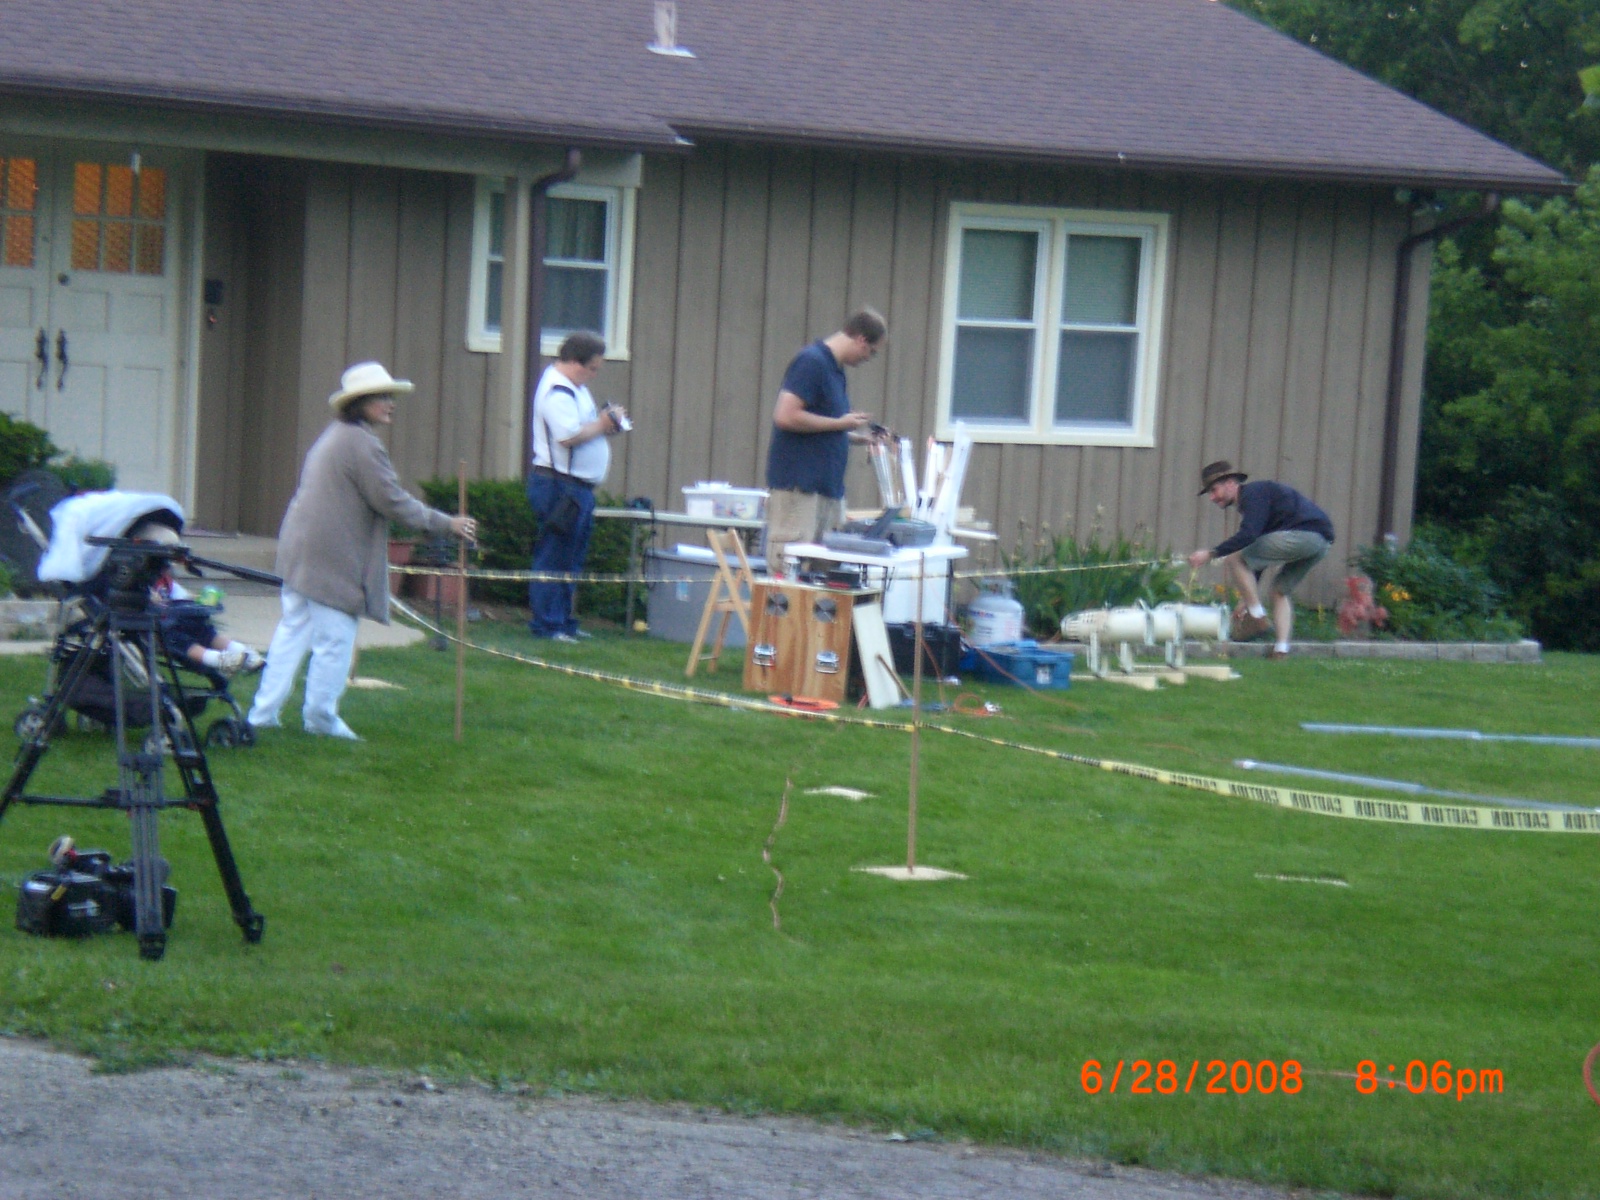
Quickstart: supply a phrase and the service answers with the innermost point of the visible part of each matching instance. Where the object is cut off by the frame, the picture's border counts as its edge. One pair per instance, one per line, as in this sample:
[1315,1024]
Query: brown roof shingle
[1166,84]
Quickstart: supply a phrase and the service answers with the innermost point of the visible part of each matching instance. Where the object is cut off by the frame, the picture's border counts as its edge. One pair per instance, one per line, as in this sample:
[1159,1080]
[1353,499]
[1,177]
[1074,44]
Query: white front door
[89,305]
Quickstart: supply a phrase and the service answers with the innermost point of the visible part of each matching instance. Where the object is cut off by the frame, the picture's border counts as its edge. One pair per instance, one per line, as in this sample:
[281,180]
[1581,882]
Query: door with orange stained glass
[101,289]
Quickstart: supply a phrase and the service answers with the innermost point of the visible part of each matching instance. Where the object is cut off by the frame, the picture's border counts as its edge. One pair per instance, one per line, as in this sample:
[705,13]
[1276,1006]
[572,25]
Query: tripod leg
[201,795]
[149,874]
[32,750]
[251,923]
[139,776]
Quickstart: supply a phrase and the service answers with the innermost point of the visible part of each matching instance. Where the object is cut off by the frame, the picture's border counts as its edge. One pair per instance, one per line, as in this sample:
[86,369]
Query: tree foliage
[1511,68]
[1511,460]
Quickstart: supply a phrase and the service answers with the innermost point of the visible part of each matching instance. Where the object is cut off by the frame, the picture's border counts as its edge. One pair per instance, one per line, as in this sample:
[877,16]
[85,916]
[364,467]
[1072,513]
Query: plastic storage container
[713,499]
[1026,663]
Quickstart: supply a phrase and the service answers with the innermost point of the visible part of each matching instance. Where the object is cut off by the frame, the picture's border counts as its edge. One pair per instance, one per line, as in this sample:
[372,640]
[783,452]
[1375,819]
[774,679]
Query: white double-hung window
[1052,325]
[588,254]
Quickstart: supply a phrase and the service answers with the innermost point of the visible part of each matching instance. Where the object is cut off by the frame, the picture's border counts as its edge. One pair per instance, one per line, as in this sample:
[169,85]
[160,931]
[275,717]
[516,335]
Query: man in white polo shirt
[570,459]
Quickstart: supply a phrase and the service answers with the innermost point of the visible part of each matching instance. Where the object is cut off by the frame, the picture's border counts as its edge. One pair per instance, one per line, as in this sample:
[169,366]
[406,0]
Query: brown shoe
[1244,627]
[1274,654]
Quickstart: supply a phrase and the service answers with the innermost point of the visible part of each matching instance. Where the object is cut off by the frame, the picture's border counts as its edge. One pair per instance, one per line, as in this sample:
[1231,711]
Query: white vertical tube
[908,473]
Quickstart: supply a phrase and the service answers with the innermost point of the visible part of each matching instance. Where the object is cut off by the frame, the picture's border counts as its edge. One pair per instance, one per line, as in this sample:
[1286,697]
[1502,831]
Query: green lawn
[574,898]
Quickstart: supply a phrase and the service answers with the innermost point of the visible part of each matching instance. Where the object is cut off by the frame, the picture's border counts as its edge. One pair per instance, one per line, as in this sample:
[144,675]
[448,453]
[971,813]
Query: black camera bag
[63,903]
[90,896]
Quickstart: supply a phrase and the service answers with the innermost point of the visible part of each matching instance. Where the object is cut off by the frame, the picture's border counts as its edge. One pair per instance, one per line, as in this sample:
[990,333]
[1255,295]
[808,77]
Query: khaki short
[1294,551]
[797,517]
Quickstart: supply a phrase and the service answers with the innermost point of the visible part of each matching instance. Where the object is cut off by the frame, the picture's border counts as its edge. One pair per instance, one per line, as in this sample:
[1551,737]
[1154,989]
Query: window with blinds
[1052,324]
[588,237]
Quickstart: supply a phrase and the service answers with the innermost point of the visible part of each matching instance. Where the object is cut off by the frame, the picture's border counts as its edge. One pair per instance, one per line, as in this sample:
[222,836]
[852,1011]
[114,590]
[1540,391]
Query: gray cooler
[678,583]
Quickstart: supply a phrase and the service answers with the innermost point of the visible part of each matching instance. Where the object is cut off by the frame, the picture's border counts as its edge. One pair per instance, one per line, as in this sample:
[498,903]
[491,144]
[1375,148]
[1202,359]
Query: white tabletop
[677,518]
[906,556]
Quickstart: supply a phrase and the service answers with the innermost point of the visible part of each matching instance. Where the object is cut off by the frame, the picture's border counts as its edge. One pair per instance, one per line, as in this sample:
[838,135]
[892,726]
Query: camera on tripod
[83,893]
[132,568]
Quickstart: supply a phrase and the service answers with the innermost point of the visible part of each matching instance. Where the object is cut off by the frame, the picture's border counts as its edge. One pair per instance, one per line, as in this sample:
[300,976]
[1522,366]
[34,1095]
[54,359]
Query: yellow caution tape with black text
[1324,804]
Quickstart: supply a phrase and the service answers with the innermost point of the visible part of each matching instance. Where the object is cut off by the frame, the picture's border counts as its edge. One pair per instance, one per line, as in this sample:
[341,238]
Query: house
[1117,239]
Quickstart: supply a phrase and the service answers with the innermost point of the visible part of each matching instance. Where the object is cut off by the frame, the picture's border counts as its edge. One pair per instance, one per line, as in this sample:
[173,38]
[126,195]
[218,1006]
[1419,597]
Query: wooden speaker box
[800,640]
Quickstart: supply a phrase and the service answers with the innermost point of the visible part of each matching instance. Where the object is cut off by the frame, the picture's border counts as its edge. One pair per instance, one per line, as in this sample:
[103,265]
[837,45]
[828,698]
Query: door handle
[61,359]
[41,351]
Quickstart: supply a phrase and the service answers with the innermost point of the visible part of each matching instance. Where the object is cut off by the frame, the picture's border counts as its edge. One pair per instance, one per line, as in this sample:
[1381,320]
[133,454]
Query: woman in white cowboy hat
[333,550]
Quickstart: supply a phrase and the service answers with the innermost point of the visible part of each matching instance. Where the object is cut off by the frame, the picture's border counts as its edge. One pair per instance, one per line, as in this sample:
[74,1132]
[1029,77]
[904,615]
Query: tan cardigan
[333,546]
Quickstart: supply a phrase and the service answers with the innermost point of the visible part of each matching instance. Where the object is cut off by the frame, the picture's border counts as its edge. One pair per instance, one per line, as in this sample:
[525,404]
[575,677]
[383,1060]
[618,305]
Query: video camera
[132,569]
[133,566]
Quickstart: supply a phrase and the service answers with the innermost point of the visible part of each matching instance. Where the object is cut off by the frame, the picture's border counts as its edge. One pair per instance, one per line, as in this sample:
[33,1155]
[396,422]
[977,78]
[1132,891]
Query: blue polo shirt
[812,462]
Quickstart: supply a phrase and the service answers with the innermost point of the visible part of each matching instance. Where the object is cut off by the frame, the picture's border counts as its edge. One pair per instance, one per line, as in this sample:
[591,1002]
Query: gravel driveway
[264,1131]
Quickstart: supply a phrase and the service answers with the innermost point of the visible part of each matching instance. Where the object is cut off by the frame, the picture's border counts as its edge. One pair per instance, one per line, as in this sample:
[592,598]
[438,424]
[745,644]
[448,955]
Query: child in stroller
[186,629]
[186,624]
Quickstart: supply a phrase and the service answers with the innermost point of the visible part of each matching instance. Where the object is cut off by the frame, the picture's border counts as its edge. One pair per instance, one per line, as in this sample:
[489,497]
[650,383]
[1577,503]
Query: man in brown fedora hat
[1277,527]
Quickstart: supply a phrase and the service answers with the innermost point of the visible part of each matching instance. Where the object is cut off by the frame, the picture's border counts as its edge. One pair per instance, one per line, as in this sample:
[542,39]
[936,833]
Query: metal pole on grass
[916,723]
[461,599]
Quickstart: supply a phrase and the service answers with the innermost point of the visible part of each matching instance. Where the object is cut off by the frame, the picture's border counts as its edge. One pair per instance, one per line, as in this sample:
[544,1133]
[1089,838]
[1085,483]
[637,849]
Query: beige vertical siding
[1276,330]
[327,265]
[1276,333]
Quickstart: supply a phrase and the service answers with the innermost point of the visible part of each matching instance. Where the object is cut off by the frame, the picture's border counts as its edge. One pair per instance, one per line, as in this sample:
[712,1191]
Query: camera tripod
[125,632]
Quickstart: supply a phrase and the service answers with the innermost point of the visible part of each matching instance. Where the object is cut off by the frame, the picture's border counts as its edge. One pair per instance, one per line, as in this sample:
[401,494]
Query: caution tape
[651,687]
[1328,804]
[508,576]
[1322,804]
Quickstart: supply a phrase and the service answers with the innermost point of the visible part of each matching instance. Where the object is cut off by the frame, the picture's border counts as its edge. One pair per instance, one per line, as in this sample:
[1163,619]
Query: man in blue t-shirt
[1277,526]
[812,427]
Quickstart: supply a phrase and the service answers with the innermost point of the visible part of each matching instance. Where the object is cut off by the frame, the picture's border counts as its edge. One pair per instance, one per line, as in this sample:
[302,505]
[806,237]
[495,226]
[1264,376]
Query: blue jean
[557,552]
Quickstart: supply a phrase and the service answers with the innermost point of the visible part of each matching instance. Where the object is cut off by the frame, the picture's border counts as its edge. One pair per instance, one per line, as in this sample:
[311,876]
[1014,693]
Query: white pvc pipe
[1400,785]
[1466,735]
[1166,624]
[1127,625]
[1205,621]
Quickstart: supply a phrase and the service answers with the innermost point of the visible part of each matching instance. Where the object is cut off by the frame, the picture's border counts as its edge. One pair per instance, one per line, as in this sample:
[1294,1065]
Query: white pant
[330,636]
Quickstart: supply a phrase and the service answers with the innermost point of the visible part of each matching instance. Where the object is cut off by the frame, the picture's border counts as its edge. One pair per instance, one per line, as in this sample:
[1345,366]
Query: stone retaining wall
[1525,651]
[27,620]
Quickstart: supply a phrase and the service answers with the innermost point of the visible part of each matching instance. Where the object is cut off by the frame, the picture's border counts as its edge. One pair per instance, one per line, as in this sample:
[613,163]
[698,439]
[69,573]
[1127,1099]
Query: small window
[19,199]
[587,265]
[119,219]
[1052,328]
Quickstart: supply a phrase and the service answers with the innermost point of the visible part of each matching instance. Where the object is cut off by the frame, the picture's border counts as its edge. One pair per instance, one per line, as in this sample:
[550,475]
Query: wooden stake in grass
[916,731]
[911,871]
[461,599]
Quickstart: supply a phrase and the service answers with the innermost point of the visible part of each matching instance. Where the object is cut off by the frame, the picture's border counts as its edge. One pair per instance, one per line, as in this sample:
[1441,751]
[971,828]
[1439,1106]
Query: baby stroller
[69,568]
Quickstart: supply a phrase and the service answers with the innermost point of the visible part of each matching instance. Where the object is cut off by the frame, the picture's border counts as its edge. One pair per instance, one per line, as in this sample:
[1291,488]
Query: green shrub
[1047,596]
[22,446]
[507,530]
[8,579]
[86,474]
[1432,596]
